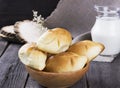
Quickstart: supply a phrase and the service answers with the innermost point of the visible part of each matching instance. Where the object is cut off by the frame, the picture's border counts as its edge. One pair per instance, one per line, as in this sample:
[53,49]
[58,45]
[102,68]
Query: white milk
[106,30]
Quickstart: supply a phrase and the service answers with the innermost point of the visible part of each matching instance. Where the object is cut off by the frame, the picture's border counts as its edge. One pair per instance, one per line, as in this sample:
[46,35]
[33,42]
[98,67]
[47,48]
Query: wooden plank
[3,45]
[4,70]
[82,83]
[11,54]
[31,83]
[104,75]
[15,76]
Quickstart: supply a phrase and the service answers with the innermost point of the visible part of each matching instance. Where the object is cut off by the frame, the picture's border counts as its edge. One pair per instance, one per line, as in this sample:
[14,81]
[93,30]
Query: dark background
[16,10]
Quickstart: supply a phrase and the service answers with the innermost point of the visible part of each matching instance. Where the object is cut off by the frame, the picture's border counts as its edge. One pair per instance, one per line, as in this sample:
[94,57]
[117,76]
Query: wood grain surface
[104,75]
[3,46]
[78,16]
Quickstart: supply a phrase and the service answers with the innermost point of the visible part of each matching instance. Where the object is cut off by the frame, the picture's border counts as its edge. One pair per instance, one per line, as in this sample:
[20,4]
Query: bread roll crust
[65,62]
[55,41]
[32,56]
[87,48]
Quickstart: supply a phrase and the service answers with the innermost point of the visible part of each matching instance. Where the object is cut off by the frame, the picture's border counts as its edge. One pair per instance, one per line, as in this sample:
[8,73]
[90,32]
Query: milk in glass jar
[106,30]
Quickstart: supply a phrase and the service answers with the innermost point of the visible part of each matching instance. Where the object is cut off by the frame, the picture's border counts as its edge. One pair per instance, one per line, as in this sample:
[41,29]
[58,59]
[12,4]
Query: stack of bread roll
[54,52]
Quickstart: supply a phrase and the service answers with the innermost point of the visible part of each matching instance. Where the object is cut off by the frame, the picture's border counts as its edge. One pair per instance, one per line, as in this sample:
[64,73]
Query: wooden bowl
[57,80]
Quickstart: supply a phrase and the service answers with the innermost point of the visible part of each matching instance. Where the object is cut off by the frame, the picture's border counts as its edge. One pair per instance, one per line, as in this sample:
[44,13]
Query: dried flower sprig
[39,19]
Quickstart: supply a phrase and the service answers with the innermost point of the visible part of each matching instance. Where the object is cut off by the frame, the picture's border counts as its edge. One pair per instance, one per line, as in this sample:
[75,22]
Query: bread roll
[55,41]
[65,62]
[33,57]
[87,48]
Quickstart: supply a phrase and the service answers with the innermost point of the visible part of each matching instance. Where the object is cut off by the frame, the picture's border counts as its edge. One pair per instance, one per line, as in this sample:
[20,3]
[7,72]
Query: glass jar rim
[107,10]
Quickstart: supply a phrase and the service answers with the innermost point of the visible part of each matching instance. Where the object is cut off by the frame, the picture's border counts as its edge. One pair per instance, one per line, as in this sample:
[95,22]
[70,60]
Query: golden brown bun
[65,62]
[31,56]
[55,41]
[87,48]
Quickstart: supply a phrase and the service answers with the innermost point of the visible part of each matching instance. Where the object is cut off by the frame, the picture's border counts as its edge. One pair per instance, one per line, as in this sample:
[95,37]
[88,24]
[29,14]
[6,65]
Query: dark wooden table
[14,75]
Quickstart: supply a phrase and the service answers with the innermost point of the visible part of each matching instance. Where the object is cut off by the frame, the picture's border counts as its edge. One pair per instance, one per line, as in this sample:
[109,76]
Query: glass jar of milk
[106,30]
